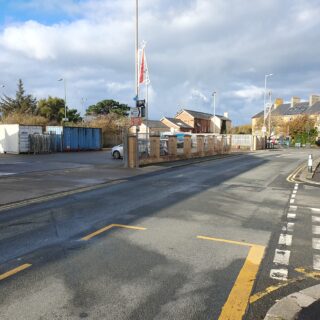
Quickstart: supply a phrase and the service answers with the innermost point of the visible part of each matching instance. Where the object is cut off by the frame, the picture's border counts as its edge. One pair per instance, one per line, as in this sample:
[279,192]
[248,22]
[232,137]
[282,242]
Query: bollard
[310,163]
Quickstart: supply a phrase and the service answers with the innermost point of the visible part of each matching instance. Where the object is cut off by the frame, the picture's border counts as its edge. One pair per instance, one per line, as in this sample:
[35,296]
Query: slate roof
[155,124]
[314,109]
[285,109]
[203,115]
[179,123]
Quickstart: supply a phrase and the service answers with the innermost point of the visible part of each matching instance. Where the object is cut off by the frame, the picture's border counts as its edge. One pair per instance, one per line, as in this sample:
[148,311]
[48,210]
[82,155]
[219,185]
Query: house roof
[202,115]
[155,124]
[285,109]
[179,123]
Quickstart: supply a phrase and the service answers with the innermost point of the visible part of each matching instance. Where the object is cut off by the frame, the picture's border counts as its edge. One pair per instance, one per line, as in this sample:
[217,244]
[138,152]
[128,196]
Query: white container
[14,138]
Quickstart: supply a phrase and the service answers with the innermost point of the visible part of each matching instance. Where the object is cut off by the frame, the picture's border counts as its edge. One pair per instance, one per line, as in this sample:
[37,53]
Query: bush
[24,119]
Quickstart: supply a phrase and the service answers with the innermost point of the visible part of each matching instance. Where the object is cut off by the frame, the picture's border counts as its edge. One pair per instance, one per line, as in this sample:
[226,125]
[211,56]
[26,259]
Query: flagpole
[137,51]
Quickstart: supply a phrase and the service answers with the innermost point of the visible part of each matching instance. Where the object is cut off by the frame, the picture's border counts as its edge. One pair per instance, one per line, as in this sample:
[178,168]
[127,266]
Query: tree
[51,108]
[105,107]
[73,115]
[22,103]
[244,129]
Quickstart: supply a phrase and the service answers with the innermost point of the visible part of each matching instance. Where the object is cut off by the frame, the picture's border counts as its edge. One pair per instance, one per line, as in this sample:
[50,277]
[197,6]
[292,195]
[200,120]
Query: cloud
[193,47]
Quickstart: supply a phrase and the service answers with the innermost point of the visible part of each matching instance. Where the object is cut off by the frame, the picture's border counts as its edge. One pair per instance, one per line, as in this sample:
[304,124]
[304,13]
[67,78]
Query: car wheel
[116,155]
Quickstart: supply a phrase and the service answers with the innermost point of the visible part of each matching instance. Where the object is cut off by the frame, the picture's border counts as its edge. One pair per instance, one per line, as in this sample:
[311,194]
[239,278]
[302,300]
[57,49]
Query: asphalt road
[205,226]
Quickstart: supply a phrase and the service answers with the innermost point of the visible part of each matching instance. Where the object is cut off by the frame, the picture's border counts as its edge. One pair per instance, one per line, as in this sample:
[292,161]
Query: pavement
[192,242]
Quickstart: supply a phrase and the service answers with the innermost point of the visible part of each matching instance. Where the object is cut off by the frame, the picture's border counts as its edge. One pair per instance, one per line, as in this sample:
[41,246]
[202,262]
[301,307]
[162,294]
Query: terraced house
[282,113]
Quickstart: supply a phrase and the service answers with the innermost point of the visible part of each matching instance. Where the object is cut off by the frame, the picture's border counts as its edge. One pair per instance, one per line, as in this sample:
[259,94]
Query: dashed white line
[316,229]
[294,191]
[315,210]
[316,262]
[285,239]
[316,243]
[279,274]
[291,200]
[293,196]
[315,219]
[290,226]
[293,208]
[291,216]
[282,257]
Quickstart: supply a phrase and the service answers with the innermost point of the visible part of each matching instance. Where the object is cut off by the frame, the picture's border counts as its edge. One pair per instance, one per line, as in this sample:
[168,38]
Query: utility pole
[214,111]
[65,98]
[265,97]
[270,110]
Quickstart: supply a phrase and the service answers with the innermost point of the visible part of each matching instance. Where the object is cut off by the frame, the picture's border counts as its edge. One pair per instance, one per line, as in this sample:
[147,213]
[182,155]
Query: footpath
[304,304]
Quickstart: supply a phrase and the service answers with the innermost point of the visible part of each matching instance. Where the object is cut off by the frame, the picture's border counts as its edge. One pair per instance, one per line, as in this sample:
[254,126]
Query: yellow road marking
[310,274]
[306,274]
[93,234]
[14,271]
[237,302]
[270,289]
[292,176]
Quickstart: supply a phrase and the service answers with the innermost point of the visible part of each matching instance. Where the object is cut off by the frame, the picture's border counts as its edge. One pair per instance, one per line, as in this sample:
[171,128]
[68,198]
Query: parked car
[117,151]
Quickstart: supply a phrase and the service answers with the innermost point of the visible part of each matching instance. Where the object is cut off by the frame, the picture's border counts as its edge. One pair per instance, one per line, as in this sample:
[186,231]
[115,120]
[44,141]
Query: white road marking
[291,216]
[6,173]
[291,200]
[293,208]
[294,191]
[282,257]
[285,239]
[290,226]
[316,229]
[316,243]
[315,210]
[315,219]
[279,274]
[316,262]
[293,196]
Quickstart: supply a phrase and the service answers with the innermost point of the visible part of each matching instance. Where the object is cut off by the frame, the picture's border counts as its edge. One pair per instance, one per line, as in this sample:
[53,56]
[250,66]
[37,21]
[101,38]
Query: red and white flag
[143,69]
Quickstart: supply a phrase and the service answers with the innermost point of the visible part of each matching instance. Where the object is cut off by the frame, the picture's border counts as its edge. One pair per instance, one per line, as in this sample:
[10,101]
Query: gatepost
[155,147]
[200,145]
[172,145]
[133,160]
[187,145]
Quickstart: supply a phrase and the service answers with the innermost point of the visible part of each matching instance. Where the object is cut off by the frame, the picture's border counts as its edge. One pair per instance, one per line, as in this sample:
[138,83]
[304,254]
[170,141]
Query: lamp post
[65,98]
[214,111]
[265,97]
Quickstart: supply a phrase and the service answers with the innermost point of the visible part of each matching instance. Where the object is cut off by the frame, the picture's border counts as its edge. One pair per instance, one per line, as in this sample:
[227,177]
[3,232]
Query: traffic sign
[136,121]
[264,129]
[135,112]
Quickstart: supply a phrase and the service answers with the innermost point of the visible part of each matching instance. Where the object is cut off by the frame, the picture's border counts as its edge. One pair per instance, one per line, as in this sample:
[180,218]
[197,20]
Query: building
[202,122]
[154,126]
[284,112]
[176,125]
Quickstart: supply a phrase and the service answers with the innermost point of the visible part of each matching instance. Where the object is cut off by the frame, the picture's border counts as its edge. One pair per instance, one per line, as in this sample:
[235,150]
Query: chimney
[278,102]
[294,101]
[226,115]
[313,99]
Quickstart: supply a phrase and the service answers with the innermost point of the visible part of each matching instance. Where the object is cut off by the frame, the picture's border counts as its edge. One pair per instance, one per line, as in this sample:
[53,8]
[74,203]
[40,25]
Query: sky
[193,48]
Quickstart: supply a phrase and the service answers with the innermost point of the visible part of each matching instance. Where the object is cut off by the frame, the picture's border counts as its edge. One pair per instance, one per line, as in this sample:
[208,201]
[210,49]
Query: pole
[137,74]
[264,100]
[65,98]
[214,112]
[270,106]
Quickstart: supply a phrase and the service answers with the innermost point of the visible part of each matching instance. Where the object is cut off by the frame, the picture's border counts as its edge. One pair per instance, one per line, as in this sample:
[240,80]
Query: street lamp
[265,97]
[65,99]
[214,111]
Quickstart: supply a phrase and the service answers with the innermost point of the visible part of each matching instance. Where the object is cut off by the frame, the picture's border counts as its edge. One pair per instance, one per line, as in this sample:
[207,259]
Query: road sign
[135,112]
[136,121]
[65,119]
[264,129]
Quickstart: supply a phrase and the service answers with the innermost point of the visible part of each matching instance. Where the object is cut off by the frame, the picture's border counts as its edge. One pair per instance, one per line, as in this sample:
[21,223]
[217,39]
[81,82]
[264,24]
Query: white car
[117,151]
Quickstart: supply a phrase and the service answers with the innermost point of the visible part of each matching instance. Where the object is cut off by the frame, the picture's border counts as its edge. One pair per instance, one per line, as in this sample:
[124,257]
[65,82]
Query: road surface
[183,243]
